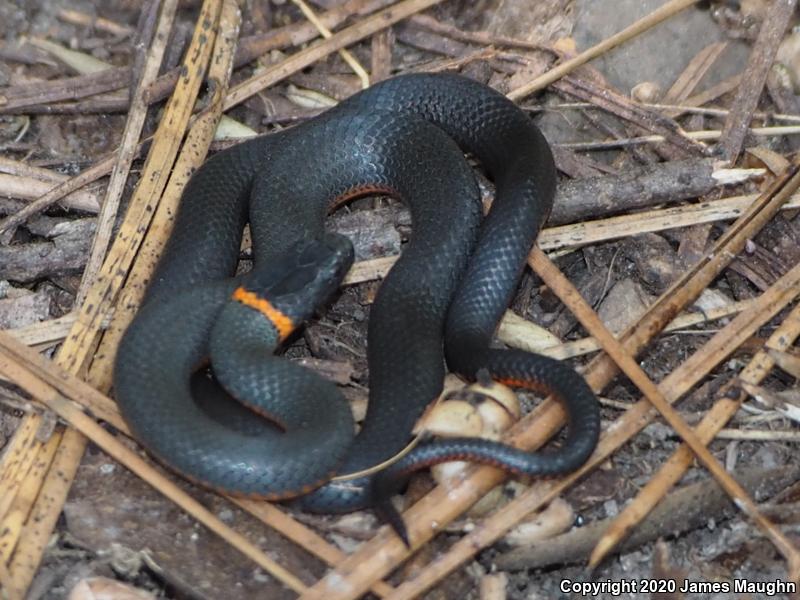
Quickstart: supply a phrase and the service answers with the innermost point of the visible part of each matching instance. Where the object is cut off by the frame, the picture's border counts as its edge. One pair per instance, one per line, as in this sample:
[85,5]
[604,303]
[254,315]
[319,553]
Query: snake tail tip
[387,513]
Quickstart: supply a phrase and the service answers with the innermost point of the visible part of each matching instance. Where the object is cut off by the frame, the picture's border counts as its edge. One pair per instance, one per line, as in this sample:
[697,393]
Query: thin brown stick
[669,109]
[602,230]
[786,361]
[693,74]
[69,88]
[101,24]
[56,376]
[629,110]
[58,192]
[381,55]
[760,435]
[706,135]
[477,37]
[346,55]
[714,92]
[28,188]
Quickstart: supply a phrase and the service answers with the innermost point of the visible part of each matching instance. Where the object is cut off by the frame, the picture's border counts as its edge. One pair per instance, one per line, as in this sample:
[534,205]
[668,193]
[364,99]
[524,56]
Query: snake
[260,425]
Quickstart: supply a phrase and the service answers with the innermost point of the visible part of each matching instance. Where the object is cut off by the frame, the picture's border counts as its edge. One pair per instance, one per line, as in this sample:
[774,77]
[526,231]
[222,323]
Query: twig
[68,88]
[677,108]
[46,333]
[69,186]
[694,72]
[629,110]
[786,361]
[603,230]
[681,460]
[64,252]
[381,54]
[636,374]
[523,334]
[493,586]
[714,92]
[706,135]
[759,435]
[27,188]
[101,24]
[476,37]
[761,57]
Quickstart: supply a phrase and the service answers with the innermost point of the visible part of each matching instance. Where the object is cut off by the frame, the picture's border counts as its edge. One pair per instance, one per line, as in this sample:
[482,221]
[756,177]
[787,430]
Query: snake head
[290,288]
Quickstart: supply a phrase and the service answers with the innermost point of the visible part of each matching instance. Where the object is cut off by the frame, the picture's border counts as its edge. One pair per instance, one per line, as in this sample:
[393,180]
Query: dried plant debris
[676,221]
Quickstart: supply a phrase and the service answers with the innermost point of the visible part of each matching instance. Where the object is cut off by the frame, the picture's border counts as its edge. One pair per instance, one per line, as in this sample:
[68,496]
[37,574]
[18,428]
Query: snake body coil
[448,290]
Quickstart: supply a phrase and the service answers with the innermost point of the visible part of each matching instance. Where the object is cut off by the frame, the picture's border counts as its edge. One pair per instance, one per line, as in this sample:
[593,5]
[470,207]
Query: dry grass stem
[789,288]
